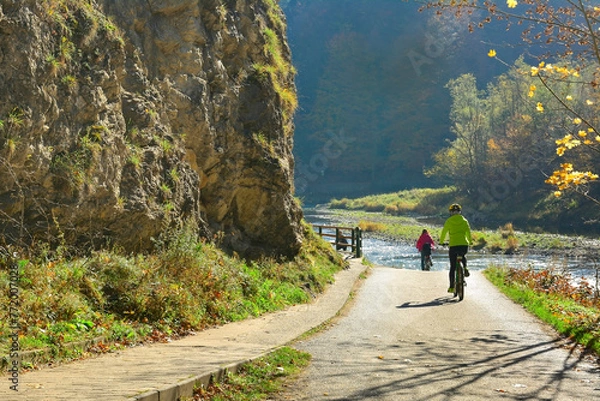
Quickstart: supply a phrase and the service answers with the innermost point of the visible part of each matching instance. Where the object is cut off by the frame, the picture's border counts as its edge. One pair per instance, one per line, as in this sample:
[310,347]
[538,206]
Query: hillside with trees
[373,107]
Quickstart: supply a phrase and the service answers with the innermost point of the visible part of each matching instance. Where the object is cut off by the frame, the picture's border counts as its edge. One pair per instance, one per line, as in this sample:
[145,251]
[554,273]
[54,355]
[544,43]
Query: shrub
[392,209]
[511,245]
[374,207]
[339,204]
[186,284]
[480,242]
[495,247]
[369,226]
[507,230]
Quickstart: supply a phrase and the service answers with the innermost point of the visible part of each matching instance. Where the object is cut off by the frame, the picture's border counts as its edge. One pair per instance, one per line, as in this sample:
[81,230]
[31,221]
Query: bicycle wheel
[460,281]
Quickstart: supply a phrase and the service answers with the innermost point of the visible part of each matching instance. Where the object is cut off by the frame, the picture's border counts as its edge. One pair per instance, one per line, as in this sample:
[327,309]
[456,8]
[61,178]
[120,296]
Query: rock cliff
[122,118]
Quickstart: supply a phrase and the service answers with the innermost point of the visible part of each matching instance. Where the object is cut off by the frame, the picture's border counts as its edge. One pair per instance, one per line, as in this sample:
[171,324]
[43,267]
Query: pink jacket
[425,239]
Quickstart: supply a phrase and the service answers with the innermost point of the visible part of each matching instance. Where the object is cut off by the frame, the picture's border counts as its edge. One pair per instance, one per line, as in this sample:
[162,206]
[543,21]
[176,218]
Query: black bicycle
[428,263]
[459,278]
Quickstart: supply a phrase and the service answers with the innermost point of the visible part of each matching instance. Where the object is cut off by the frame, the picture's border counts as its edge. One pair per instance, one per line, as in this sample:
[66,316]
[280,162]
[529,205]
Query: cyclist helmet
[455,208]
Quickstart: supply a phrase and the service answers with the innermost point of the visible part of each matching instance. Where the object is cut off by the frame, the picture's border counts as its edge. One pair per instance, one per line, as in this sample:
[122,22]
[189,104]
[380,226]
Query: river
[400,255]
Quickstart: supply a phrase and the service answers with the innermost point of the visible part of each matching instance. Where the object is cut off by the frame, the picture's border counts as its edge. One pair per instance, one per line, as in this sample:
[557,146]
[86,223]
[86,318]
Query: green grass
[257,380]
[187,284]
[424,201]
[573,311]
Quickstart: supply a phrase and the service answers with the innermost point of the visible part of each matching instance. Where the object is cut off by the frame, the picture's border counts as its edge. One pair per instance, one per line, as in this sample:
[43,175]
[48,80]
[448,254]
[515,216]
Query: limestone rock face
[121,118]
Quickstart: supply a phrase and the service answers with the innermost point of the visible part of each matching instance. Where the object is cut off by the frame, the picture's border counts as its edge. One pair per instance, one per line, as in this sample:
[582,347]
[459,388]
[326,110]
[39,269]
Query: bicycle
[459,280]
[428,262]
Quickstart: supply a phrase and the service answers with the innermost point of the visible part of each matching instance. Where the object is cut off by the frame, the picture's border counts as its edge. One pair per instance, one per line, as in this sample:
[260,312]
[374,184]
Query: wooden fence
[342,238]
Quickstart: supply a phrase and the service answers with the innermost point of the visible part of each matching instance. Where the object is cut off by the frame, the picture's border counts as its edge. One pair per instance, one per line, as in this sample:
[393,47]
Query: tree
[556,32]
[463,161]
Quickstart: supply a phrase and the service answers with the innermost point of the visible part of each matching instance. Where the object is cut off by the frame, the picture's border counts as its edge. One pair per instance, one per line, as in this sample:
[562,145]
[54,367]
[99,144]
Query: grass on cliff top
[187,284]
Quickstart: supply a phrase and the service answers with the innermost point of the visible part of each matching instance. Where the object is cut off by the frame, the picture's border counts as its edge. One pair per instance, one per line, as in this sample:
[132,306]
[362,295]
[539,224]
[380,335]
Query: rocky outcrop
[122,118]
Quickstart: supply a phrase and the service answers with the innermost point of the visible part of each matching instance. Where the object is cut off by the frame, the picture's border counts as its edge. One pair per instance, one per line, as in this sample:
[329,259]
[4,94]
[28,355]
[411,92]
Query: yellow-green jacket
[458,229]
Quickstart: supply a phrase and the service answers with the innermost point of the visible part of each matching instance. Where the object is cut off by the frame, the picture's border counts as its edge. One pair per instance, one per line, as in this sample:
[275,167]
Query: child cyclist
[425,245]
[459,232]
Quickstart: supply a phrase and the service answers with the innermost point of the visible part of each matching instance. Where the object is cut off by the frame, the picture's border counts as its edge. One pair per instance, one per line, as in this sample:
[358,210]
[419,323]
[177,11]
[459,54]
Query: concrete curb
[186,388]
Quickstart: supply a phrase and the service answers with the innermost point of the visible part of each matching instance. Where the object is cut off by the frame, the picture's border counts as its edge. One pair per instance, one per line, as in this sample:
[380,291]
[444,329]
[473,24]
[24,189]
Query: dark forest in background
[372,75]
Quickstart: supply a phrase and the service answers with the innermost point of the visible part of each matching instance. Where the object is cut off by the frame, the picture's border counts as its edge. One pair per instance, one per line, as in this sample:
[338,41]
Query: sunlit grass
[187,284]
[423,201]
[257,380]
[573,311]
[371,226]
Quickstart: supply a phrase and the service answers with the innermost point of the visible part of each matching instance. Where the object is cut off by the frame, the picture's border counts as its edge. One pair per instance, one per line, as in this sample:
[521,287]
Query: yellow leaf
[492,53]
[492,145]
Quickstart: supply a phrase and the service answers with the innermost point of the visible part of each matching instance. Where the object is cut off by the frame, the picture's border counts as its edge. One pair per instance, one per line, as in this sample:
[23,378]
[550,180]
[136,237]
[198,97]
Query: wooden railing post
[341,239]
[358,251]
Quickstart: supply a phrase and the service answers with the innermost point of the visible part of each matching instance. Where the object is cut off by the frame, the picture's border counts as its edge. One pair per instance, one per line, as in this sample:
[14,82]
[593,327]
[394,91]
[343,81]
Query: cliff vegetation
[120,119]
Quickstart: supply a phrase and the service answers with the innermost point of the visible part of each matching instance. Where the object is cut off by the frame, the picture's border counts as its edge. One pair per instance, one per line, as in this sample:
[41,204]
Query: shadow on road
[435,302]
[462,370]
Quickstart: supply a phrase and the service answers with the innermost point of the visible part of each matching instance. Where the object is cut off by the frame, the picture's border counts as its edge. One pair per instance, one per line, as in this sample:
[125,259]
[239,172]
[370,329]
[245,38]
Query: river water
[400,255]
[395,254]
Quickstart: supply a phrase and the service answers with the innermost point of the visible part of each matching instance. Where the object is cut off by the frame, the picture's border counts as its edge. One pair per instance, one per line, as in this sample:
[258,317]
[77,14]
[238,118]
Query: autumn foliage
[561,285]
[561,88]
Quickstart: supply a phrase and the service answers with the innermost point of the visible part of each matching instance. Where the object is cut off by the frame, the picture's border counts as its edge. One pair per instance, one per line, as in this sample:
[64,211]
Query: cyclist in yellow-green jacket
[459,232]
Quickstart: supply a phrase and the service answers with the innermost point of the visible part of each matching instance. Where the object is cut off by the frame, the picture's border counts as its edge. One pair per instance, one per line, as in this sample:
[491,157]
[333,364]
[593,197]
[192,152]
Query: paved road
[404,338]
